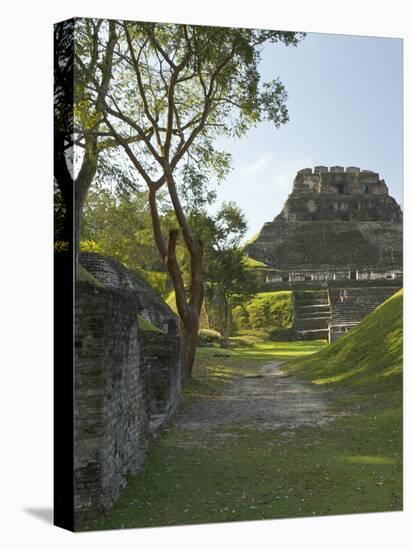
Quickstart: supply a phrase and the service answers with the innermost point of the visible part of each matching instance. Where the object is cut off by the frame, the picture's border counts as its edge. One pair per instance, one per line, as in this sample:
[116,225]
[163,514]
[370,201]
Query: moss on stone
[147,326]
[85,276]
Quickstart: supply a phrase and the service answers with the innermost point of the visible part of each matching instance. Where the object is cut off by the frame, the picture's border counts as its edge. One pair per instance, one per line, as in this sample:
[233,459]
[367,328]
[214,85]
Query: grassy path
[301,450]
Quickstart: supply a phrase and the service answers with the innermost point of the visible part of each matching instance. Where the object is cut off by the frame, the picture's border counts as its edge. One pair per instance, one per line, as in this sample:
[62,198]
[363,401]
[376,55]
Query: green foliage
[119,226]
[228,280]
[209,70]
[159,280]
[267,310]
[91,246]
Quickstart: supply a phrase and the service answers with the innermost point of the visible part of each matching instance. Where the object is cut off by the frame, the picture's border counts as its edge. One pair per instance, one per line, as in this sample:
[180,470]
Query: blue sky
[345,106]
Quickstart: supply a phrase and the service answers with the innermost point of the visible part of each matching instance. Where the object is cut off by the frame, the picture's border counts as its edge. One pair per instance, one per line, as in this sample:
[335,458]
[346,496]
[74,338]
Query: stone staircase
[311,314]
[361,302]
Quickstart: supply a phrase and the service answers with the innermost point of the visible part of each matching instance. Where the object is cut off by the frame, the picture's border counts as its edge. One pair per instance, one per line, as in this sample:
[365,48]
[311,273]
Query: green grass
[250,262]
[214,366]
[352,465]
[368,357]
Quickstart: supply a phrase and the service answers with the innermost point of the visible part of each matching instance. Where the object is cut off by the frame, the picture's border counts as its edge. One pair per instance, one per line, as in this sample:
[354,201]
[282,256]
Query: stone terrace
[361,302]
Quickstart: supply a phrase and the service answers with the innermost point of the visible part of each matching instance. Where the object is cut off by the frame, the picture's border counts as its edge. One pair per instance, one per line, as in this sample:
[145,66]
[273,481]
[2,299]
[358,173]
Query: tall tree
[228,279]
[187,85]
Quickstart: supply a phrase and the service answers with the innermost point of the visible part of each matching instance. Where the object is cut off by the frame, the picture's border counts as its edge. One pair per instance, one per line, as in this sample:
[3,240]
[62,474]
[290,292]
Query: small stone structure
[338,227]
[127,379]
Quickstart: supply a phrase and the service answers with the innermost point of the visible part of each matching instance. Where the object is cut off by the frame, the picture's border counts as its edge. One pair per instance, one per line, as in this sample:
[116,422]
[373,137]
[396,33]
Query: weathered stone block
[111,421]
[124,378]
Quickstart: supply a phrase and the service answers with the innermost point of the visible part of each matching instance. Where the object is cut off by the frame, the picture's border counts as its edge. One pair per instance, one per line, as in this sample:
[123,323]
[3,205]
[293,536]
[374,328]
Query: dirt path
[270,399]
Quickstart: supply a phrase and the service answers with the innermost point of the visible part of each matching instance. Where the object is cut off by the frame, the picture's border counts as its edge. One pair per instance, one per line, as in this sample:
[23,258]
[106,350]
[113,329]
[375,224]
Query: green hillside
[266,310]
[367,358]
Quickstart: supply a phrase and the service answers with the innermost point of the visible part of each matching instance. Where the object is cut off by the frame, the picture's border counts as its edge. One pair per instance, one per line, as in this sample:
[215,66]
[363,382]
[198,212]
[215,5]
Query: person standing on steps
[345,295]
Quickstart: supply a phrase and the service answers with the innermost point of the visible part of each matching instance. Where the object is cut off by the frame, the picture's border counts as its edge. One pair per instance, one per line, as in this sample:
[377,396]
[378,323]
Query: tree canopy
[173,90]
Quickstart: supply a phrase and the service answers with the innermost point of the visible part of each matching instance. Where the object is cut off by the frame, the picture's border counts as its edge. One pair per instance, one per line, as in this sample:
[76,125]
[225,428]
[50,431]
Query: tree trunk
[80,198]
[189,302]
[227,324]
[207,313]
[82,184]
[189,336]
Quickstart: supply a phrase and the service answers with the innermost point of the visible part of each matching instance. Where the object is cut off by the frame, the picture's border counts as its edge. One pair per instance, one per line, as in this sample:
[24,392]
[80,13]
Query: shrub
[208,336]
[267,310]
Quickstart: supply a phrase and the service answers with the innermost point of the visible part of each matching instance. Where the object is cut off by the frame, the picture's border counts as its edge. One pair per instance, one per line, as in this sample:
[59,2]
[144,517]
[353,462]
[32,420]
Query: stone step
[320,334]
[321,319]
[313,312]
[310,294]
[314,306]
[312,324]
[361,302]
[309,302]
[321,315]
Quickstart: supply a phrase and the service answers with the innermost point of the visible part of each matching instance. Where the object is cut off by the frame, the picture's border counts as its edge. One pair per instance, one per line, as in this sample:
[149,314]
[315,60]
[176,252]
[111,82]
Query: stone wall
[338,180]
[333,207]
[161,360]
[330,246]
[127,379]
[111,399]
[113,274]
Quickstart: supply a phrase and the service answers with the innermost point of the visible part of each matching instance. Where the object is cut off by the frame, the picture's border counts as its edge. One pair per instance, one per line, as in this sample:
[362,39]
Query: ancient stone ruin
[338,229]
[127,378]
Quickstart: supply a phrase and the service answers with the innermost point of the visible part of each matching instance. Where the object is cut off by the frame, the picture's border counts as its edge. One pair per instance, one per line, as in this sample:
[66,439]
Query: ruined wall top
[337,179]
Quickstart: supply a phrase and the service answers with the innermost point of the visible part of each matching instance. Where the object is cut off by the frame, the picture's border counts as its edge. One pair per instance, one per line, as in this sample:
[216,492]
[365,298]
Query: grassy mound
[368,357]
[267,311]
[250,262]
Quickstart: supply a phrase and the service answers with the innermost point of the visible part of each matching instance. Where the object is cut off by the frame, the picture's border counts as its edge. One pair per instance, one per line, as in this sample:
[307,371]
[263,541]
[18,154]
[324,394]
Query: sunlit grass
[280,350]
[371,354]
[337,377]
